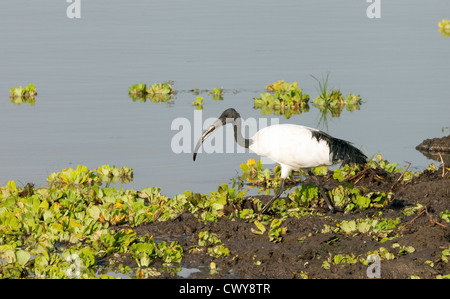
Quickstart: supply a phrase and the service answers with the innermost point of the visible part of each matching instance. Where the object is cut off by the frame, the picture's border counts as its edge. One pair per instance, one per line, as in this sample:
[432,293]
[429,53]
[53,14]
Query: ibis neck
[244,142]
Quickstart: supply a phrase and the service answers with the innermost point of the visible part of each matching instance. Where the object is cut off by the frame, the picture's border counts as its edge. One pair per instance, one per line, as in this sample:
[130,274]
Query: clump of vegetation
[217,93]
[333,101]
[76,211]
[113,175]
[145,250]
[282,98]
[275,233]
[254,174]
[444,27]
[212,244]
[157,92]
[345,195]
[82,176]
[25,94]
[198,103]
[445,215]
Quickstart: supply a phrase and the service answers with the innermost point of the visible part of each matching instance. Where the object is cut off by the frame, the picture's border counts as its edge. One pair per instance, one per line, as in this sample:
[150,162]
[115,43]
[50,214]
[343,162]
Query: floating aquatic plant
[198,91]
[282,98]
[27,94]
[113,175]
[198,103]
[82,176]
[333,101]
[217,93]
[161,88]
[444,27]
[157,92]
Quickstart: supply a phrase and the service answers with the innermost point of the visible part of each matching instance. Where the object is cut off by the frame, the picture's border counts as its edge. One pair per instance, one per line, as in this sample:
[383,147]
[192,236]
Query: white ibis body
[292,146]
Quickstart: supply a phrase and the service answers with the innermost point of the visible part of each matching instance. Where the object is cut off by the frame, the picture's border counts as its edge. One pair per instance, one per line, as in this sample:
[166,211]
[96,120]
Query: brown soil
[304,247]
[435,144]
[436,148]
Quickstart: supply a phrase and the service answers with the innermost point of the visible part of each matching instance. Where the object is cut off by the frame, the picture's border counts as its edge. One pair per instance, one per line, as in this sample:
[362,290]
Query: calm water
[82,69]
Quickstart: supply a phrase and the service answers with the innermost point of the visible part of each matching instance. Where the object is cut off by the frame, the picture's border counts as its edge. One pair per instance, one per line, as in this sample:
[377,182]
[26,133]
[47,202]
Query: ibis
[292,146]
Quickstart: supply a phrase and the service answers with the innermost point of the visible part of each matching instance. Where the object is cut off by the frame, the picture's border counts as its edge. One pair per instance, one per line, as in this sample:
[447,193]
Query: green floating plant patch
[333,101]
[82,176]
[25,94]
[157,92]
[282,98]
[444,27]
[217,93]
[198,103]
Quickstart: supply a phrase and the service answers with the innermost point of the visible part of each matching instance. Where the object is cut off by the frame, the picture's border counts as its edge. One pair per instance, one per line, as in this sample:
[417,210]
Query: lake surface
[82,68]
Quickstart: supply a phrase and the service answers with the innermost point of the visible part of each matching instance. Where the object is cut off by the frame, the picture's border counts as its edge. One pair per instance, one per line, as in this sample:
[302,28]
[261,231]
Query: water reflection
[441,157]
[437,149]
[21,100]
[154,98]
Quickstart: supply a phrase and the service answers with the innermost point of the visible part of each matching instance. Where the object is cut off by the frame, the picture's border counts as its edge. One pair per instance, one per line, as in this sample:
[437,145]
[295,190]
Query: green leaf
[362,202]
[11,185]
[44,205]
[348,226]
[22,257]
[94,212]
[30,87]
[445,215]
[244,167]
[261,228]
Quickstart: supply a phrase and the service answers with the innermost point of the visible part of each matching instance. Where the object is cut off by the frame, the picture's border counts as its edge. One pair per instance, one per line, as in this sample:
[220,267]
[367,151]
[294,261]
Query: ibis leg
[322,191]
[277,194]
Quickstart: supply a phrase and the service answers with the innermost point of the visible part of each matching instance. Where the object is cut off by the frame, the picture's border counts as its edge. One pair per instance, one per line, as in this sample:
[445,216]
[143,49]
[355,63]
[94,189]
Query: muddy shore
[312,247]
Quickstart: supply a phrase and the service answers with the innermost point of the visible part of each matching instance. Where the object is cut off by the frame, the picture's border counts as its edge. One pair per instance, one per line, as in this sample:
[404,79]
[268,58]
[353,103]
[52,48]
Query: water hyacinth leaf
[30,87]
[362,202]
[94,212]
[348,226]
[276,232]
[445,215]
[219,251]
[11,185]
[8,255]
[261,228]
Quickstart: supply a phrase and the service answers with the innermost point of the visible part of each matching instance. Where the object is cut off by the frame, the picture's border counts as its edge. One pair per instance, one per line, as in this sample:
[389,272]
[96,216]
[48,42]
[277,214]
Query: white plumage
[292,146]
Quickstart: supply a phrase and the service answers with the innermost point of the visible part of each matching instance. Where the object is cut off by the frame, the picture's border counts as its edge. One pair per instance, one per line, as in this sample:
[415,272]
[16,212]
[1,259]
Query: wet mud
[308,249]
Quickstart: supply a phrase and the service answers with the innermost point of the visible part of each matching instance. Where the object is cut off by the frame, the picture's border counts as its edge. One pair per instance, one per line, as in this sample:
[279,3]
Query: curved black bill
[205,135]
